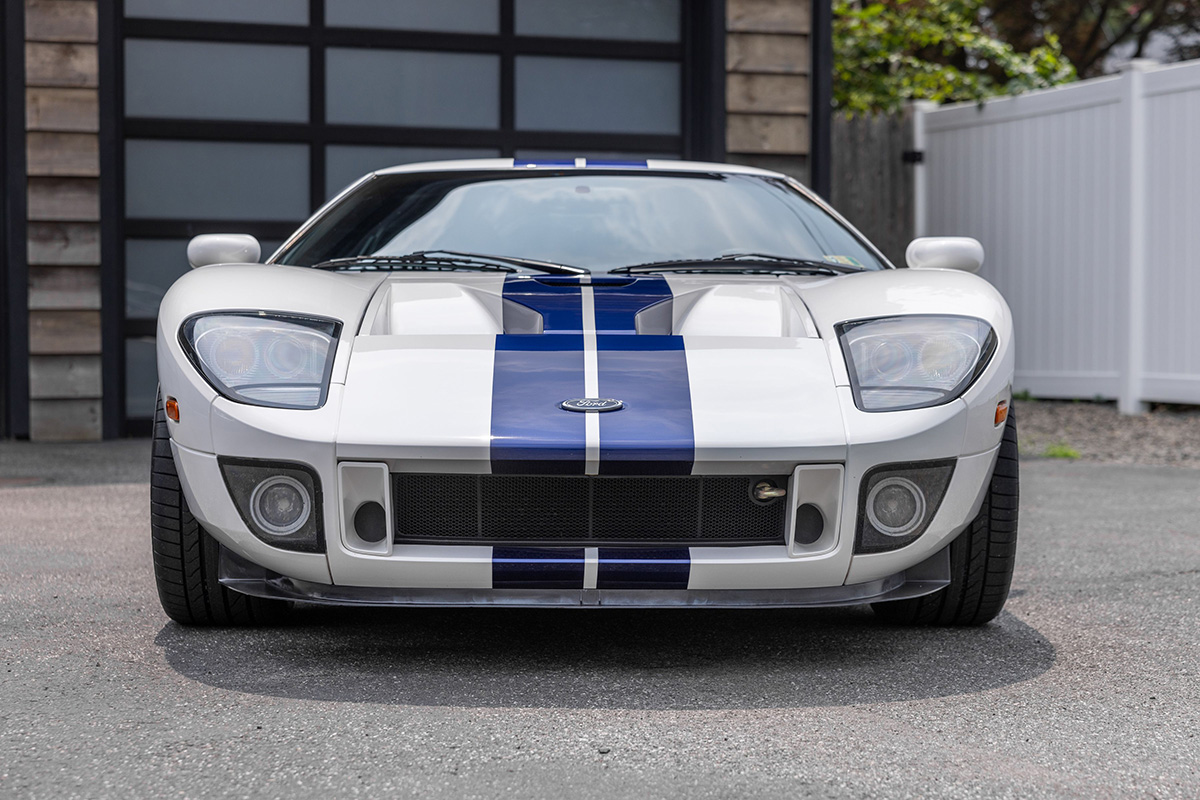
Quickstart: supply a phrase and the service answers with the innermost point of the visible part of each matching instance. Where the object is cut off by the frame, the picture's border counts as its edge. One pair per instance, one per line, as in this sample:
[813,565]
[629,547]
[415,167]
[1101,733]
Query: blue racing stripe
[531,375]
[552,162]
[534,373]
[537,568]
[559,301]
[530,434]
[618,301]
[652,434]
[629,568]
[616,164]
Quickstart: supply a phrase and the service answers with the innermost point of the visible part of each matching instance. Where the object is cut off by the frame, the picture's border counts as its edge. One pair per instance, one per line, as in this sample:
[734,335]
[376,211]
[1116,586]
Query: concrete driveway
[1087,686]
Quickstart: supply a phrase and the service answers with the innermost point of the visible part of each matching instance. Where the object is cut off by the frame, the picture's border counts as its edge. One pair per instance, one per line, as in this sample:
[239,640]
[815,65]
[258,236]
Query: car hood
[469,372]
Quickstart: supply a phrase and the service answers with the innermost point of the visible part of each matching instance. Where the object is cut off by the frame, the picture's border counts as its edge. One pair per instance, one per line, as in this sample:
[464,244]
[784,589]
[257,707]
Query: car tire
[185,555]
[981,558]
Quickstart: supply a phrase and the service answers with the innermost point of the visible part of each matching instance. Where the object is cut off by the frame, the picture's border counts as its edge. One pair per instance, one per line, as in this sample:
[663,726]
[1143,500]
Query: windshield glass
[595,219]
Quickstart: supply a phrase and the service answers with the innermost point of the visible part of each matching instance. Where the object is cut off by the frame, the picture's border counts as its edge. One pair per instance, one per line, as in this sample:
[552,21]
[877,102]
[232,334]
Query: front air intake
[587,511]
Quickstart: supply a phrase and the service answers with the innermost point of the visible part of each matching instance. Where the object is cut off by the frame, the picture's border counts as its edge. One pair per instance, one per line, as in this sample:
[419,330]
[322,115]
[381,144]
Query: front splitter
[247,578]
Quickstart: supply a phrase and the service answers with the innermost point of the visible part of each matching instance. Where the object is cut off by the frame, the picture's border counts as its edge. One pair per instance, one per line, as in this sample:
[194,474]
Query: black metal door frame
[14,292]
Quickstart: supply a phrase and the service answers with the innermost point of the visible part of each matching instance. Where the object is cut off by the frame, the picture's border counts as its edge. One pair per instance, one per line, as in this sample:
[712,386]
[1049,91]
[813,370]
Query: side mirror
[223,248]
[945,252]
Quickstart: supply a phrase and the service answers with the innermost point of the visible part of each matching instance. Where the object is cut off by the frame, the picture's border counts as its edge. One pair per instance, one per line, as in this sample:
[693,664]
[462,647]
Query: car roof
[653,165]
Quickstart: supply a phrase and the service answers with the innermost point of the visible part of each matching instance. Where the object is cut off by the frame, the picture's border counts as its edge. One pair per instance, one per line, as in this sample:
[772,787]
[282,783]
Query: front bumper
[466,574]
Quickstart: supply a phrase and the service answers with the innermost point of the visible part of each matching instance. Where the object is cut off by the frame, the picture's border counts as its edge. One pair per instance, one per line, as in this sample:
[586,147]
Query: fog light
[280,505]
[897,503]
[896,506]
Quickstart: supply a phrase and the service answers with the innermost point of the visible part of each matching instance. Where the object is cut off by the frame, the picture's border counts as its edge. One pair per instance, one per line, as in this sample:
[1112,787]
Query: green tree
[1091,30]
[888,52]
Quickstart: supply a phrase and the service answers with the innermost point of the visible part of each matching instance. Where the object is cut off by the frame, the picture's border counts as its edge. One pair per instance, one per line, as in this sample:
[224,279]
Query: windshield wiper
[446,260]
[742,264]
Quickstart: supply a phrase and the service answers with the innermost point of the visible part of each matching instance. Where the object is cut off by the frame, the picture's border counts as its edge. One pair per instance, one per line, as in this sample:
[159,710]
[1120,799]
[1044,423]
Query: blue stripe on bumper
[632,568]
[537,568]
[617,568]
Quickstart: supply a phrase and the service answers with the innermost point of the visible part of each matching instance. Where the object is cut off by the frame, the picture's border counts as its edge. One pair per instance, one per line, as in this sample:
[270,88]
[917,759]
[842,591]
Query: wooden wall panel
[55,64]
[769,16]
[64,288]
[768,133]
[64,377]
[62,121]
[872,186]
[64,420]
[60,21]
[757,52]
[772,94]
[768,89]
[64,243]
[64,332]
[64,199]
[62,154]
[50,109]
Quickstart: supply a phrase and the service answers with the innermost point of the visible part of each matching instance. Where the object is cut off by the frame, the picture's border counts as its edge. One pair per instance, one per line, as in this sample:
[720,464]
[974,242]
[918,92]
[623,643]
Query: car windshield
[600,220]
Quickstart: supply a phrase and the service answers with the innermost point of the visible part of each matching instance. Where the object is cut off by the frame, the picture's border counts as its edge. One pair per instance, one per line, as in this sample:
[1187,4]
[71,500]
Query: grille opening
[586,510]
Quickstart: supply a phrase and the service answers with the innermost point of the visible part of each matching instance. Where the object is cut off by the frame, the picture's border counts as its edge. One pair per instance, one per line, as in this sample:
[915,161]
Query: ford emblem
[591,404]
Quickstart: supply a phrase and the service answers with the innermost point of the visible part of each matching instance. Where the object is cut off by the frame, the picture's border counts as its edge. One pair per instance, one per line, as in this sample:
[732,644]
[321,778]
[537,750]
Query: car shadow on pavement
[628,659]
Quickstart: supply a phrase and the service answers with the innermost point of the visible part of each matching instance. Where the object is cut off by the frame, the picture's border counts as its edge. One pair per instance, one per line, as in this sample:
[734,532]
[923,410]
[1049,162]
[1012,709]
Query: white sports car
[583,383]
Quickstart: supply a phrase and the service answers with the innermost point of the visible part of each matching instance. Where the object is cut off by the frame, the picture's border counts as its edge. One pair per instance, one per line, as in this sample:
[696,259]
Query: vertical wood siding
[768,60]
[872,186]
[62,121]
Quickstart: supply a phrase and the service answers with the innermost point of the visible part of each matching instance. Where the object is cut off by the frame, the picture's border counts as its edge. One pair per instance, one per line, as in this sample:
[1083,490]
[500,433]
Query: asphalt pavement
[1087,686]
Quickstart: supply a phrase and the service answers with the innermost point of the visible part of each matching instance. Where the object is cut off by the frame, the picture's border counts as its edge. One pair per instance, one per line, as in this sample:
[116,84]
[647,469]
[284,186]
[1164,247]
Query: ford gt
[589,384]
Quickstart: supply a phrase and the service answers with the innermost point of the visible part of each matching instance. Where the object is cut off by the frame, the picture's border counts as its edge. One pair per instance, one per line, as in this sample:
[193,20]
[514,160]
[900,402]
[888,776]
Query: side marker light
[1001,412]
[172,409]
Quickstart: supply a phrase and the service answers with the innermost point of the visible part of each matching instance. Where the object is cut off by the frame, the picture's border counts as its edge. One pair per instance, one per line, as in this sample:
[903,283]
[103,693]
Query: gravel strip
[1090,431]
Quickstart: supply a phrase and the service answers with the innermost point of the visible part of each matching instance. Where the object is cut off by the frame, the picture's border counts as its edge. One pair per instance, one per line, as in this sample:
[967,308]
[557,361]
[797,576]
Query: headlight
[914,362]
[264,359]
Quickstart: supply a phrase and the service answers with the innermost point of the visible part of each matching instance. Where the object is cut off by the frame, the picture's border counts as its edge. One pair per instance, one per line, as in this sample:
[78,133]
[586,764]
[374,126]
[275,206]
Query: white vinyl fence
[1087,201]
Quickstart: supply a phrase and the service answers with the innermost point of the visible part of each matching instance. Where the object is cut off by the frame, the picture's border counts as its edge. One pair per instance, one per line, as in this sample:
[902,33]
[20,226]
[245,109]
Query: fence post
[920,185]
[1130,400]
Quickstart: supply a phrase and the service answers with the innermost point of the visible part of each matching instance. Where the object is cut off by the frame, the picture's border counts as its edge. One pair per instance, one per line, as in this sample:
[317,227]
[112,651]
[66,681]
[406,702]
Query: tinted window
[594,219]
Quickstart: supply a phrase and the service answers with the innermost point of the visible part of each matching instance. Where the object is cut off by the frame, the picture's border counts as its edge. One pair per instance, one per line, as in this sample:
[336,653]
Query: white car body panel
[414,390]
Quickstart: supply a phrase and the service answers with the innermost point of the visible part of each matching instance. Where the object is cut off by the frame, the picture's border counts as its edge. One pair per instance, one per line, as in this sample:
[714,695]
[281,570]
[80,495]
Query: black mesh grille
[575,510]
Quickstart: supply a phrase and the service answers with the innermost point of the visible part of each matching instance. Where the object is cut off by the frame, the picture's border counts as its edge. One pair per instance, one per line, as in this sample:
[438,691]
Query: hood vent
[551,305]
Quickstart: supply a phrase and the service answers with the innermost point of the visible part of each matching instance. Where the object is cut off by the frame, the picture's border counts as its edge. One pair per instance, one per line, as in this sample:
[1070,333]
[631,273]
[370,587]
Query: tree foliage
[1089,31]
[887,52]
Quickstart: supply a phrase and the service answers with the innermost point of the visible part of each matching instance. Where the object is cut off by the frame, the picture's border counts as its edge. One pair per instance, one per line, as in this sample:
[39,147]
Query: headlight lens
[914,362]
[264,359]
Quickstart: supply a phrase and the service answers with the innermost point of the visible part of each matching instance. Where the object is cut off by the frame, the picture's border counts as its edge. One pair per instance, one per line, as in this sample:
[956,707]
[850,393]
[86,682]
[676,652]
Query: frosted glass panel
[151,266]
[345,164]
[641,20]
[593,94]
[206,80]
[449,16]
[141,378]
[285,12]
[216,180]
[416,89]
